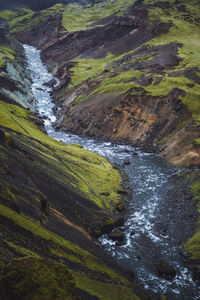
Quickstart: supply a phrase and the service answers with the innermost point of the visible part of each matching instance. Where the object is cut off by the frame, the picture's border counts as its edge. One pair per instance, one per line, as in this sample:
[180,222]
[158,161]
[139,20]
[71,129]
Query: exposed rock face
[15,82]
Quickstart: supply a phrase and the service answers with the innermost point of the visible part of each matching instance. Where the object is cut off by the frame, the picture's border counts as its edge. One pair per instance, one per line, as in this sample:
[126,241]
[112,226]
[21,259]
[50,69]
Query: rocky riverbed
[151,246]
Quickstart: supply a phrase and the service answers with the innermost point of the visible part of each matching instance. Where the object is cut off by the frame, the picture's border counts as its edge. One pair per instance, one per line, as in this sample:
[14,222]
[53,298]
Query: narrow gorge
[118,221]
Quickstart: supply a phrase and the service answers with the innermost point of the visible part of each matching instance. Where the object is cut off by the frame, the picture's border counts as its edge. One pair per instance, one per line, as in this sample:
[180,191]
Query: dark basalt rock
[105,225]
[120,207]
[116,236]
[166,271]
[127,162]
[119,222]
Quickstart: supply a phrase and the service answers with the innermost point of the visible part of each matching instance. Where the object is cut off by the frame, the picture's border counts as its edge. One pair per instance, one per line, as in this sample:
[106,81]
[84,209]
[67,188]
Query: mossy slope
[141,63]
[138,50]
[50,193]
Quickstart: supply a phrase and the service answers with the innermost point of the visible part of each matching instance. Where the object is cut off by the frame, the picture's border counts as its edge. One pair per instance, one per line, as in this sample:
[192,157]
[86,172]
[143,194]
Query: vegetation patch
[38,278]
[93,174]
[185,31]
[6,52]
[192,245]
[103,290]
[77,17]
[25,18]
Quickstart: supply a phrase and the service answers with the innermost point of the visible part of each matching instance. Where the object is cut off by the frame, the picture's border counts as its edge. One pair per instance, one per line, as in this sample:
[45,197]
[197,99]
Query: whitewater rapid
[149,177]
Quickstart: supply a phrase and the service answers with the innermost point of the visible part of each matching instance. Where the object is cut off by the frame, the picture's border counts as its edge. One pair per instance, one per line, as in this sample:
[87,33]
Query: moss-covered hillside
[50,194]
[136,61]
[129,71]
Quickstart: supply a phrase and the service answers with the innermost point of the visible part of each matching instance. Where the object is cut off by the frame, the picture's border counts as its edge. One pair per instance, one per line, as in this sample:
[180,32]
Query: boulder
[116,236]
[166,271]
[127,162]
[105,225]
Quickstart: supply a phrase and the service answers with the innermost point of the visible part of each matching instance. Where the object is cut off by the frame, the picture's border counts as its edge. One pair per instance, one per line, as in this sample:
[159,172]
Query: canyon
[125,72]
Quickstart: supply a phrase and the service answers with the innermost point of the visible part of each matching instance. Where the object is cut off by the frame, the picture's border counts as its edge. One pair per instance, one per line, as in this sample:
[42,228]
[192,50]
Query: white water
[149,177]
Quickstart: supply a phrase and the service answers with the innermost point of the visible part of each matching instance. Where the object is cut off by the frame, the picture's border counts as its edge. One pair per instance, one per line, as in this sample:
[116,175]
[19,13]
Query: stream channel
[150,180]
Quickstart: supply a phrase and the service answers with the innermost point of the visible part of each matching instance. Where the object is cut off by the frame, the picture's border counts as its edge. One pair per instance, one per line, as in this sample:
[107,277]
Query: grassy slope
[95,174]
[77,18]
[184,30]
[30,164]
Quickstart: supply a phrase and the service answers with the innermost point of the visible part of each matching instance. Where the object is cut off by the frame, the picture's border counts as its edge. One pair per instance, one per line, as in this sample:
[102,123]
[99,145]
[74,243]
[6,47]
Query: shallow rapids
[149,176]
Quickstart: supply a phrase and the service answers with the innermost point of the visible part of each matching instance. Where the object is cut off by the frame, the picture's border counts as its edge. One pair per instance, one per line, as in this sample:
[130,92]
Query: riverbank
[147,88]
[151,180]
[49,196]
[135,116]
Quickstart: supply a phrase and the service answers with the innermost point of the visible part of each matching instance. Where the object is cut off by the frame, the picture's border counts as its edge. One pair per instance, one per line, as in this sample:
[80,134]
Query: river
[150,180]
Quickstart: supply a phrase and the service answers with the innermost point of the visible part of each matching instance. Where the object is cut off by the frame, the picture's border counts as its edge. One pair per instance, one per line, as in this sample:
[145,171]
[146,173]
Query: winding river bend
[150,178]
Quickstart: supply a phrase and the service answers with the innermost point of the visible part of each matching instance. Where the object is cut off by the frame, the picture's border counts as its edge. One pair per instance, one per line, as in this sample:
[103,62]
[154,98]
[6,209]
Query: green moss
[103,291]
[38,278]
[21,250]
[89,170]
[77,17]
[89,68]
[73,252]
[185,32]
[6,52]
[8,14]
[197,141]
[7,193]
[25,19]
[92,70]
[192,246]
[122,82]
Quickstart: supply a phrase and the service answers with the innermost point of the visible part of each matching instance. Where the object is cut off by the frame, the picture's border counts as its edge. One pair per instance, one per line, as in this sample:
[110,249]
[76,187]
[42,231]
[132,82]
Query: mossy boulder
[37,278]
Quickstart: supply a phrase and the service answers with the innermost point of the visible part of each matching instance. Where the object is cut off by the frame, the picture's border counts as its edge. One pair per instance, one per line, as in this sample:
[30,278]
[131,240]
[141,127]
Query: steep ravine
[130,61]
[149,236]
[127,74]
[49,196]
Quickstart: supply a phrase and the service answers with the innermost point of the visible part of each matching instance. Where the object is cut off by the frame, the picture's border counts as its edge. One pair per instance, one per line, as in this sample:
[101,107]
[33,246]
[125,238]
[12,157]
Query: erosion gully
[149,177]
